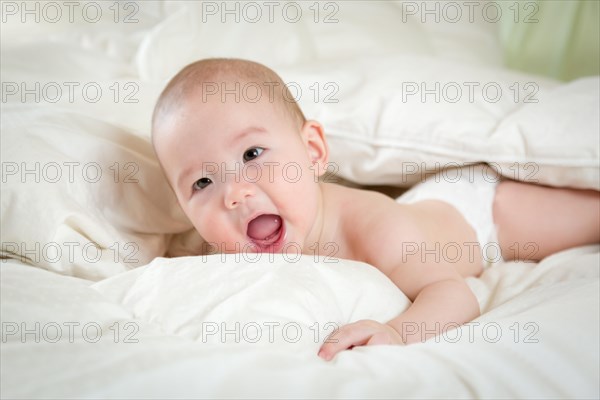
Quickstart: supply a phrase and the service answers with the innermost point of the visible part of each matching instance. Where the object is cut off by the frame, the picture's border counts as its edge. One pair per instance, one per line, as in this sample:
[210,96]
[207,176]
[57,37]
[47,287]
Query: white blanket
[169,330]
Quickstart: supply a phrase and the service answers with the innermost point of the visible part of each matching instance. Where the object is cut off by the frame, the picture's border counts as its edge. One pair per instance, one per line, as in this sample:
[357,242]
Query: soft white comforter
[160,330]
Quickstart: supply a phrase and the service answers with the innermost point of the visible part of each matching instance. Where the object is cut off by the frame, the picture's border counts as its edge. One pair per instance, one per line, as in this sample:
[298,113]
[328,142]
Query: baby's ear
[313,137]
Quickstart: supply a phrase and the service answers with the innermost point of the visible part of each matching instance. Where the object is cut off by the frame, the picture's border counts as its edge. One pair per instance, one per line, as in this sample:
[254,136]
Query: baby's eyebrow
[248,131]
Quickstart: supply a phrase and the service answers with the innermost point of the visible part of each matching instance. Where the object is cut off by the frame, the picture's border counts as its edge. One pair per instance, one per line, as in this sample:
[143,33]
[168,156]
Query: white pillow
[384,128]
[296,299]
[372,133]
[95,201]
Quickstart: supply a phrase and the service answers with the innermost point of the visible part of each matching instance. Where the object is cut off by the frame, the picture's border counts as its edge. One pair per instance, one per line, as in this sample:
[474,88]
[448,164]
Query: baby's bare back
[375,229]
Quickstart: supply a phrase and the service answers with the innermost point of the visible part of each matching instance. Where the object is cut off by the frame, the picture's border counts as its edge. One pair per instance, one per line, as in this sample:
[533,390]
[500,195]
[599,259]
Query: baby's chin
[277,245]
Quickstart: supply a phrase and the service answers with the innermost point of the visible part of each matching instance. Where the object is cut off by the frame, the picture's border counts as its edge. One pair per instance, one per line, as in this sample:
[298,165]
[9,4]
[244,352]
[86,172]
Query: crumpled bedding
[169,329]
[123,322]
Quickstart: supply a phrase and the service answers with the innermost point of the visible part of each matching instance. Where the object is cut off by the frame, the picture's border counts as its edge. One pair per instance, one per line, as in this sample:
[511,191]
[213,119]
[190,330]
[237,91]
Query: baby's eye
[252,153]
[201,183]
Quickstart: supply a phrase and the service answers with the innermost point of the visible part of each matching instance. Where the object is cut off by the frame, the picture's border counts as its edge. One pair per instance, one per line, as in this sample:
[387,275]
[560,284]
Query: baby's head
[240,156]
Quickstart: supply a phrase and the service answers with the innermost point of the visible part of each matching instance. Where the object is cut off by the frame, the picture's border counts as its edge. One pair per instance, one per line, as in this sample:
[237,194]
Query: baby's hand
[360,333]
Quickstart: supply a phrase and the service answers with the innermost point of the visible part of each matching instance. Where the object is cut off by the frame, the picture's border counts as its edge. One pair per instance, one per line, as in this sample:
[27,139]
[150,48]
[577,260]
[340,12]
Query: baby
[244,164]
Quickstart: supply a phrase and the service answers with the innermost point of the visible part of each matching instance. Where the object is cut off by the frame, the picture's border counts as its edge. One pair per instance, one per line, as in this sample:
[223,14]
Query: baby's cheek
[221,239]
[301,203]
[297,177]
[214,226]
[205,223]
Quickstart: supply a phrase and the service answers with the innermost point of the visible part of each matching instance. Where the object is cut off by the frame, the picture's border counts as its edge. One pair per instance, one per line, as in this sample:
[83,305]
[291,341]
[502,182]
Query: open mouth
[266,231]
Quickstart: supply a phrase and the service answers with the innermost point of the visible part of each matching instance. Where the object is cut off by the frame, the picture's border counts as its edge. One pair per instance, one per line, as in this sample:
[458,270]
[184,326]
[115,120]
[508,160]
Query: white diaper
[471,191]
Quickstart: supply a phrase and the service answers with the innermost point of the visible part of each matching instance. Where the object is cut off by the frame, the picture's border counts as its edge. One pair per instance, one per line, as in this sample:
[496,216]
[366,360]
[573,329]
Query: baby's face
[244,173]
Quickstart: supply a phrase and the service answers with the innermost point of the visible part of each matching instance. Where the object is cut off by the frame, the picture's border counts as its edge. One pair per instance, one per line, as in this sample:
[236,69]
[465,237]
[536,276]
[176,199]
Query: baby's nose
[237,193]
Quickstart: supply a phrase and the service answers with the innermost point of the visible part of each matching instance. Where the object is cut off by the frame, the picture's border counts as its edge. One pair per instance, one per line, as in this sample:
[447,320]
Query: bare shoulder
[374,223]
[404,241]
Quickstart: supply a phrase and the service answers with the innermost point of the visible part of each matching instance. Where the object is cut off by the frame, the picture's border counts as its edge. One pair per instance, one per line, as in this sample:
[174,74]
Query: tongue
[260,228]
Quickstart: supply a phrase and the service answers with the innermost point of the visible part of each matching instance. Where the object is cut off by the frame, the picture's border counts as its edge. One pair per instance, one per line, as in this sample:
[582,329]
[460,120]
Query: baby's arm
[441,298]
[439,306]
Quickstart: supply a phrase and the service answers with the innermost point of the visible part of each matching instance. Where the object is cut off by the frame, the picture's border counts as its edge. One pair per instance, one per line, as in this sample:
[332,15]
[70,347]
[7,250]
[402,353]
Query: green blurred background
[563,44]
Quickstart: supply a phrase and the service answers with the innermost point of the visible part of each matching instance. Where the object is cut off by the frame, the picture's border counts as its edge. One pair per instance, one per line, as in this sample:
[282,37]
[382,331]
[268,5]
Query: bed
[106,292]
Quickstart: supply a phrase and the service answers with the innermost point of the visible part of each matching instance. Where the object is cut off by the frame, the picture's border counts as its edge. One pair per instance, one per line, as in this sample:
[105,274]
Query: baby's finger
[346,337]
